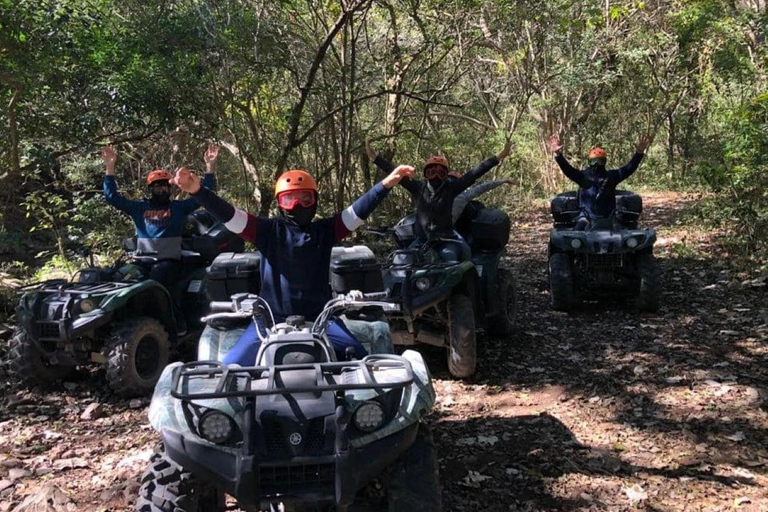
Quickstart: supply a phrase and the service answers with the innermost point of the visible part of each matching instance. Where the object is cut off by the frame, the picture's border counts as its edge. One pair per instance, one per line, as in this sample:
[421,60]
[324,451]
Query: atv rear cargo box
[232,273]
[490,230]
[355,268]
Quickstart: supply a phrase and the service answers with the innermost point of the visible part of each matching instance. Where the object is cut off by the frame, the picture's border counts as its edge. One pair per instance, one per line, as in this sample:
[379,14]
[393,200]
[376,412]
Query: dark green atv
[115,317]
[442,301]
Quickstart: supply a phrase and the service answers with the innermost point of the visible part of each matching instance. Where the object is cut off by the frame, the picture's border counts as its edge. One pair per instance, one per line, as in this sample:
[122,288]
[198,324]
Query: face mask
[160,196]
[435,183]
[300,216]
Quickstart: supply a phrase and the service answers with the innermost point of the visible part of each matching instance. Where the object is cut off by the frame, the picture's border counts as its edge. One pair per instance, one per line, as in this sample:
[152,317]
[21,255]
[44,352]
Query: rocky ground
[604,409]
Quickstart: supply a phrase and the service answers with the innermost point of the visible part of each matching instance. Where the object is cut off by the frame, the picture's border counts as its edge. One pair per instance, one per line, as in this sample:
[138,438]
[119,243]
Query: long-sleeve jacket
[463,199]
[597,188]
[158,228]
[295,262]
[434,207]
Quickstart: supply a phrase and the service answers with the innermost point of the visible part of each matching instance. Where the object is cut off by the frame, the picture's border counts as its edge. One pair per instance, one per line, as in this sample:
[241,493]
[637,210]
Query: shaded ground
[604,409]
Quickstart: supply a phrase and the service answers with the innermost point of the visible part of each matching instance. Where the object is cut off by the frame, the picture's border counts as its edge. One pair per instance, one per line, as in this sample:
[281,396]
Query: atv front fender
[148,298]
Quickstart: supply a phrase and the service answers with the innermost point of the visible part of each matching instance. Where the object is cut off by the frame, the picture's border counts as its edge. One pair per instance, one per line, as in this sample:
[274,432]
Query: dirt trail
[604,409]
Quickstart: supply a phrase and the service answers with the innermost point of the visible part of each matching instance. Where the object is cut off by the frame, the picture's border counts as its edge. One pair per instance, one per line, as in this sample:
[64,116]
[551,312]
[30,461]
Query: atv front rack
[230,376]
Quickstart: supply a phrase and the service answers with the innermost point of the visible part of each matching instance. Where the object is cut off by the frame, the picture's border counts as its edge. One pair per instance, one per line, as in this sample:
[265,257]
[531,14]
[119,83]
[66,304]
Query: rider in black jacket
[436,193]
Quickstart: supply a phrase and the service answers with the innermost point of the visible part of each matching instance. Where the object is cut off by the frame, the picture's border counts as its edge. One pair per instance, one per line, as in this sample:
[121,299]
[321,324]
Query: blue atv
[611,258]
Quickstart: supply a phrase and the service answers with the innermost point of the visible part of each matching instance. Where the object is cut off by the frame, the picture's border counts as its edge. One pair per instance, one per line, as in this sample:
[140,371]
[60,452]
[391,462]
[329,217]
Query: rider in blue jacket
[159,220]
[597,186]
[295,249]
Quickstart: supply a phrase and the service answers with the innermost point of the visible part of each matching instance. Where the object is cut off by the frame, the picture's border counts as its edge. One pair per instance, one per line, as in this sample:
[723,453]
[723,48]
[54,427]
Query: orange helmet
[597,153]
[437,160]
[158,175]
[295,179]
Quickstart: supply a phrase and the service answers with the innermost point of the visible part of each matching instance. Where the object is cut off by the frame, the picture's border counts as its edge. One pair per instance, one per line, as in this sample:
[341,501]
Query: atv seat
[278,353]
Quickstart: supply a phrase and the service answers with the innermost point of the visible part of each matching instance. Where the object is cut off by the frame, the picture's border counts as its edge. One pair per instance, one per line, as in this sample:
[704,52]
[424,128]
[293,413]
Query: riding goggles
[288,200]
[435,171]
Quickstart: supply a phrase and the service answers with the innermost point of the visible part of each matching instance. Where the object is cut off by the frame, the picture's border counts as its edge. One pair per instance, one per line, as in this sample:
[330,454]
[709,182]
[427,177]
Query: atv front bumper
[333,478]
[602,241]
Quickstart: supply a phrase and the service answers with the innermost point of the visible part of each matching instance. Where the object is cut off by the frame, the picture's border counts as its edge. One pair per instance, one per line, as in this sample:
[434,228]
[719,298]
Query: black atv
[611,258]
[115,316]
[298,430]
[443,300]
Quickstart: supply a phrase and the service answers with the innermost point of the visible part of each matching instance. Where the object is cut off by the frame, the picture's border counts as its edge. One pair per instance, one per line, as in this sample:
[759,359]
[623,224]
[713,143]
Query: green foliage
[161,79]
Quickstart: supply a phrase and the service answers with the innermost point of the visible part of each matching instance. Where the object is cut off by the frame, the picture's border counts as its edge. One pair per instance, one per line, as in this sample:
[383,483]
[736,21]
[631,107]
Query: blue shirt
[158,228]
[295,262]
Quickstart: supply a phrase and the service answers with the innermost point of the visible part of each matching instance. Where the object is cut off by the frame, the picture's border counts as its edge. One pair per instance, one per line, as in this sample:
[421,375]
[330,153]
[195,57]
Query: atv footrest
[236,381]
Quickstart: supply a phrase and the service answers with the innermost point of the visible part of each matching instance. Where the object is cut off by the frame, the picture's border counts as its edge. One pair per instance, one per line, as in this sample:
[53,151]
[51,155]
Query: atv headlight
[423,284]
[632,242]
[369,416]
[575,243]
[216,427]
[86,305]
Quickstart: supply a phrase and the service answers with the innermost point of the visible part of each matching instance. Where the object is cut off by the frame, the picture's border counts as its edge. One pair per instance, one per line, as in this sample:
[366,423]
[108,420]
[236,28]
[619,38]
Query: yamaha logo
[295,439]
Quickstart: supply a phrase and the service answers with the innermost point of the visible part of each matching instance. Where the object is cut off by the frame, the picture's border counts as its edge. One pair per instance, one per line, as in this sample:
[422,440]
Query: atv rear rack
[64,287]
[229,376]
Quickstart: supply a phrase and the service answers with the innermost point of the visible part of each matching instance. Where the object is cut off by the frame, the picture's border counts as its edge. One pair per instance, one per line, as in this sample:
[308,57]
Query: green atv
[116,316]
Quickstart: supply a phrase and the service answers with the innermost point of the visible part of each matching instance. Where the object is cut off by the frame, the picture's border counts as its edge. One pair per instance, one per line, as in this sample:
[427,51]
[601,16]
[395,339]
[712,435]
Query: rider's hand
[210,157]
[369,150]
[186,180]
[506,151]
[644,142]
[509,181]
[400,172]
[109,157]
[554,144]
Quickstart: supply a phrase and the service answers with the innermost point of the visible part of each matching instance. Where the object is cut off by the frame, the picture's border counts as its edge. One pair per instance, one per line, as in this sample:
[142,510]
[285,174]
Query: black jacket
[434,207]
[597,189]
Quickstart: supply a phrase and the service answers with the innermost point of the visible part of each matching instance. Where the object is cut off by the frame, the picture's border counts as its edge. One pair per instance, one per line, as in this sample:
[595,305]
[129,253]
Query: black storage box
[218,238]
[565,208]
[629,206]
[232,273]
[490,230]
[355,268]
[405,231]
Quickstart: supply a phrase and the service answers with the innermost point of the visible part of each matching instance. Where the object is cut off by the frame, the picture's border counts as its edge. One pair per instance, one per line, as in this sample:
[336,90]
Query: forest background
[284,84]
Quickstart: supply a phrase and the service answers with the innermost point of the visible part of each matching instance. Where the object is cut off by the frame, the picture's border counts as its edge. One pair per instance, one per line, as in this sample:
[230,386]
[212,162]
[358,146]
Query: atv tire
[414,484]
[649,276]
[503,323]
[28,366]
[166,487]
[137,352]
[462,349]
[561,281]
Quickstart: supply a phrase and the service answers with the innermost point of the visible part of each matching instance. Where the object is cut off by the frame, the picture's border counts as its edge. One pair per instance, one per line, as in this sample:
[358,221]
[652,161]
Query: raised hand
[186,180]
[369,151]
[210,157]
[109,157]
[644,142]
[555,145]
[509,182]
[506,151]
[400,172]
